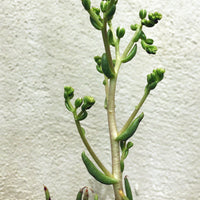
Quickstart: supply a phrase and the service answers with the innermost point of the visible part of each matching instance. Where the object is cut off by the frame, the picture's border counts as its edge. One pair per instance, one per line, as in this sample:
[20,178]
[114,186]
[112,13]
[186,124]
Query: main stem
[115,150]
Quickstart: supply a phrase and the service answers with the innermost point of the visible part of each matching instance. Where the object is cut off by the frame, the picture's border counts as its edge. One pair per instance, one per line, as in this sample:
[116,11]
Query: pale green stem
[137,108]
[90,150]
[115,150]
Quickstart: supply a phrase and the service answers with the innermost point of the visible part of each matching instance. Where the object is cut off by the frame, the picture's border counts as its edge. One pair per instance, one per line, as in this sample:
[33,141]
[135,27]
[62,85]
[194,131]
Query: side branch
[134,113]
[90,150]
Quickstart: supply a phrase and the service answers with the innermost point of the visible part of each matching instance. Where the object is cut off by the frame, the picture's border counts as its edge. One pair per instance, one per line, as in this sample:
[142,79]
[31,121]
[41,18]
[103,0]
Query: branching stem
[137,108]
[90,150]
[115,150]
[131,43]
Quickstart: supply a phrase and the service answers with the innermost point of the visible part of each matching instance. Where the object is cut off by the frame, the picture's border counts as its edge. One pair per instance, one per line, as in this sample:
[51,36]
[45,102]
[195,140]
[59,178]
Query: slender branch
[90,150]
[131,43]
[137,108]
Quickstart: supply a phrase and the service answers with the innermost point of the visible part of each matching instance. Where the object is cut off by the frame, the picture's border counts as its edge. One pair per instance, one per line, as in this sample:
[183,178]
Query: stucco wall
[47,44]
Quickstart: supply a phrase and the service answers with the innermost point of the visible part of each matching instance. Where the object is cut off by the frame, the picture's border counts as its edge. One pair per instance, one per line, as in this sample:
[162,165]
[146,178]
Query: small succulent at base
[47,194]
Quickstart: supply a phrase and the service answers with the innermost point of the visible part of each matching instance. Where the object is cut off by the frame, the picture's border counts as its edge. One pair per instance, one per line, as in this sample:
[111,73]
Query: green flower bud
[86,4]
[154,78]
[78,102]
[88,102]
[120,32]
[149,41]
[147,23]
[111,12]
[96,10]
[155,17]
[104,6]
[97,59]
[68,92]
[142,14]
[148,48]
[110,38]
[160,73]
[129,145]
[152,85]
[99,69]
[151,78]
[143,36]
[151,49]
[151,16]
[134,27]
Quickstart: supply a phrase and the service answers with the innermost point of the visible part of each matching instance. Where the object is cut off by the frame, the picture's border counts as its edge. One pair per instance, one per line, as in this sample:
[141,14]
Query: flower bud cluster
[107,7]
[88,102]
[85,103]
[148,47]
[153,19]
[154,78]
[68,94]
[120,32]
[97,59]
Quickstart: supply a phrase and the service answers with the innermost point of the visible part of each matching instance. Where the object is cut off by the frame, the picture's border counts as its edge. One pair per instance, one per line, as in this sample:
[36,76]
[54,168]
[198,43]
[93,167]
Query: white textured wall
[47,44]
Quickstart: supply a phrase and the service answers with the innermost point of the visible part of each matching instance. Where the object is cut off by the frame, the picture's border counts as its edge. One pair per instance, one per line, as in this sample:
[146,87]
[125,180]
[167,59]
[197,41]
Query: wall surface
[47,44]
